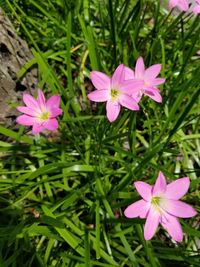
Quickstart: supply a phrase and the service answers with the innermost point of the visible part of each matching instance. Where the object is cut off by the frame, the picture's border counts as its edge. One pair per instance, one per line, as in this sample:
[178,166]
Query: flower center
[44,116]
[155,201]
[114,94]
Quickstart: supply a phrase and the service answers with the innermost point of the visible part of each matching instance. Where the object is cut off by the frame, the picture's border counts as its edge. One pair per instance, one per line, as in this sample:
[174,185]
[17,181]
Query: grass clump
[63,194]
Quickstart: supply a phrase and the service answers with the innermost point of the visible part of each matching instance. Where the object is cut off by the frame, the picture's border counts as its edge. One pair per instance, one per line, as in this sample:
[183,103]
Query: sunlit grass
[63,195]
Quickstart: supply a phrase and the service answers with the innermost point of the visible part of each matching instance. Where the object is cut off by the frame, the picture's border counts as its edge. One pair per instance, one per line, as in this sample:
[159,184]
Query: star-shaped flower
[115,90]
[161,205]
[149,78]
[39,113]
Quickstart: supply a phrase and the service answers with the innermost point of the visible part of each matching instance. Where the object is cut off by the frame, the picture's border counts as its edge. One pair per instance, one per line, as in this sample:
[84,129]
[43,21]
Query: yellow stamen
[44,116]
[158,203]
[155,201]
[114,94]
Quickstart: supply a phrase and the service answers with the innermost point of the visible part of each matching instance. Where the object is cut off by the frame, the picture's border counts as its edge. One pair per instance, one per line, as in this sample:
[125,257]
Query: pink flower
[149,79]
[161,204]
[196,9]
[183,5]
[198,52]
[115,91]
[39,113]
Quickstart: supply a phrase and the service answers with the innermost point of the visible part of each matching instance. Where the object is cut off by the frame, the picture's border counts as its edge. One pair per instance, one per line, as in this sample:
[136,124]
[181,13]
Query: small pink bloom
[196,9]
[39,113]
[161,204]
[198,52]
[115,91]
[148,76]
[183,5]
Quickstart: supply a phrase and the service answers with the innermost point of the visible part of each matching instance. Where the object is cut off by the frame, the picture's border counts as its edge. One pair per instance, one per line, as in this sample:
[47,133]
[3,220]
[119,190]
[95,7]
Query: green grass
[62,195]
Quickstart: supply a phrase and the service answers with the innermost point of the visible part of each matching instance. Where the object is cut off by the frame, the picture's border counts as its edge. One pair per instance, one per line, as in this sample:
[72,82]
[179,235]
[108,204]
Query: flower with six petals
[116,91]
[149,78]
[39,113]
[161,204]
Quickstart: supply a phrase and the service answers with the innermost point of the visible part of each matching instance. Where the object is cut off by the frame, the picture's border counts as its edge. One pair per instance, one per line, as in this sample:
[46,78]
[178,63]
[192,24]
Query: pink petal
[41,99]
[98,96]
[173,227]
[37,128]
[151,90]
[151,224]
[51,124]
[137,209]
[156,81]
[160,185]
[177,189]
[196,9]
[53,102]
[25,120]
[55,112]
[152,72]
[178,208]
[130,86]
[30,101]
[139,68]
[129,73]
[173,3]
[153,94]
[144,190]
[28,111]
[113,109]
[128,102]
[118,76]
[137,95]
[183,5]
[100,80]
